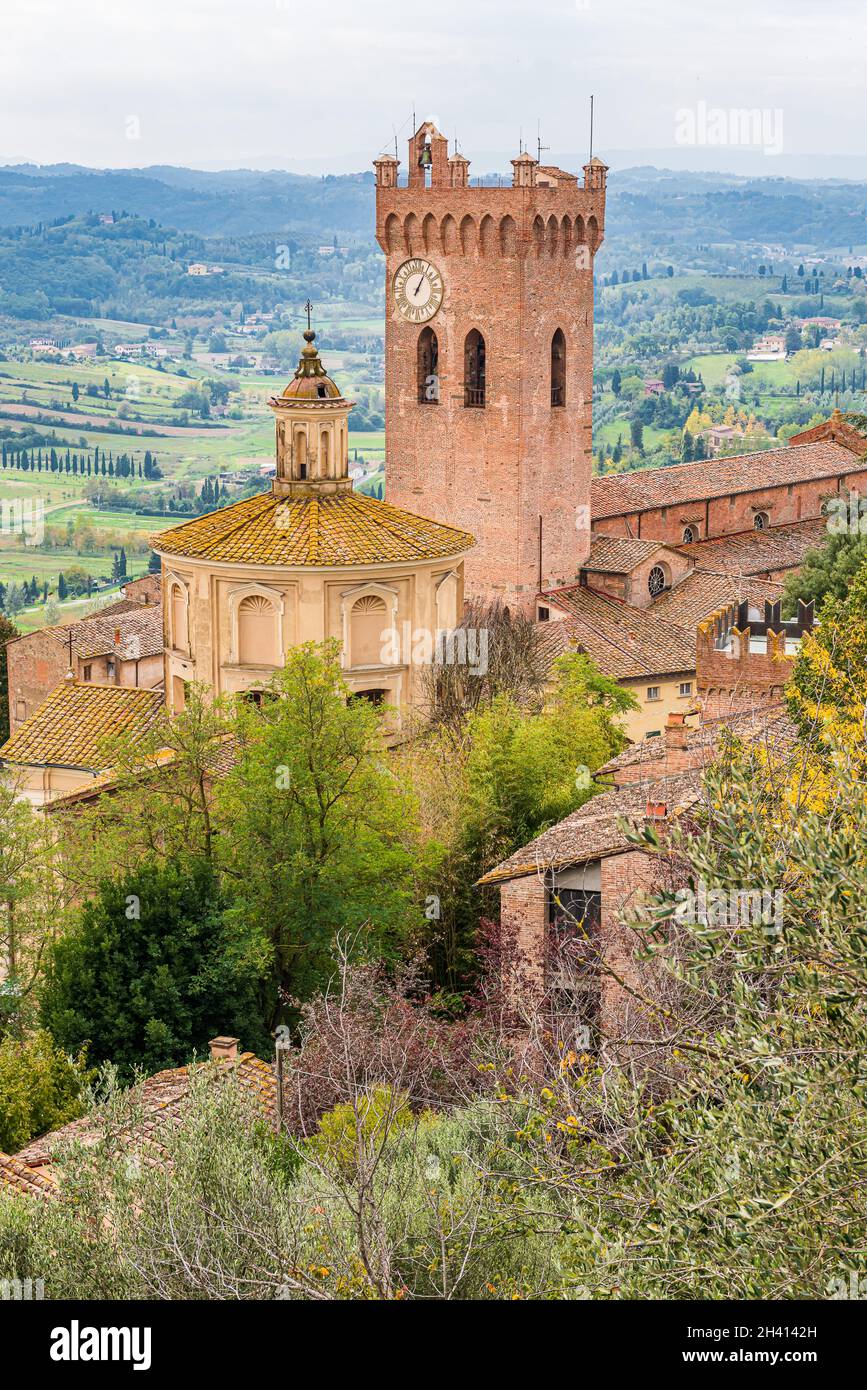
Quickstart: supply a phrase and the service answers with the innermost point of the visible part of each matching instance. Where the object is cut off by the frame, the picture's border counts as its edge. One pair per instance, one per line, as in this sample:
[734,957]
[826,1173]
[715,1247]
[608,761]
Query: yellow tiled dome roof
[343,529]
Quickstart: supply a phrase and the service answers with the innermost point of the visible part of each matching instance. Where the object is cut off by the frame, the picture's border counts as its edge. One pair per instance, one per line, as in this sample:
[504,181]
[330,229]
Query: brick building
[744,659]
[690,503]
[121,645]
[569,898]
[566,899]
[489,358]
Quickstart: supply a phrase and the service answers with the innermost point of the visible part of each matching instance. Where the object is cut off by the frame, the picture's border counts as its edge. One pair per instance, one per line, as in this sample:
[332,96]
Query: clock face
[418,290]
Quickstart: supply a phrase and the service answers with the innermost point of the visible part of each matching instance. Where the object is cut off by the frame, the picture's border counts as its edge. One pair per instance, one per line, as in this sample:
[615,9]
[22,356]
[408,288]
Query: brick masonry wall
[36,664]
[516,264]
[738,679]
[727,516]
[625,877]
[523,915]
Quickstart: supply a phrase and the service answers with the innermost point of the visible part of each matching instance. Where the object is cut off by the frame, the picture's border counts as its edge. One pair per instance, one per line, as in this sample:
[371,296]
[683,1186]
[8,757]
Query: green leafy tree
[322,834]
[150,971]
[513,773]
[41,1087]
[827,569]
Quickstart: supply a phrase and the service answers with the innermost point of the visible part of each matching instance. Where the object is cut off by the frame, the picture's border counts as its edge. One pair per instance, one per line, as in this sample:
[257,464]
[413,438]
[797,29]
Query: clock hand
[418,286]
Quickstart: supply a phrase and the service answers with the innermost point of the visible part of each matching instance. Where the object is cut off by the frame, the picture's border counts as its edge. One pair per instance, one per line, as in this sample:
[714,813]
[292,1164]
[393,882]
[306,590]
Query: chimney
[224,1049]
[655,810]
[676,732]
[117,637]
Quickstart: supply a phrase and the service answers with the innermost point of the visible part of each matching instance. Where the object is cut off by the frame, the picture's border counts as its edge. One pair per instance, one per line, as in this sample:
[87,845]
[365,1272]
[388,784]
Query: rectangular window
[685,688]
[544,614]
[86,673]
[653,733]
[653,692]
[573,955]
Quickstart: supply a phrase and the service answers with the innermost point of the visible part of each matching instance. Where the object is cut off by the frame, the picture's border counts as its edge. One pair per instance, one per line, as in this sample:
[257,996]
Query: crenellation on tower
[489,357]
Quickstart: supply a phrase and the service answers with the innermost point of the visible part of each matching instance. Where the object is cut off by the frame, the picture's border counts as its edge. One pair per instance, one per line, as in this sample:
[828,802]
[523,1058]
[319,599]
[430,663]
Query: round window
[688,535]
[656,580]
[760,521]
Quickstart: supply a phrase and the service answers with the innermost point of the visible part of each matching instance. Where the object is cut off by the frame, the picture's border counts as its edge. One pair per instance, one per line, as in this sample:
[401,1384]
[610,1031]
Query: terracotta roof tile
[346,529]
[770,725]
[645,489]
[225,755]
[702,592]
[140,629]
[159,1102]
[759,552]
[22,1178]
[73,724]
[618,554]
[596,829]
[624,642]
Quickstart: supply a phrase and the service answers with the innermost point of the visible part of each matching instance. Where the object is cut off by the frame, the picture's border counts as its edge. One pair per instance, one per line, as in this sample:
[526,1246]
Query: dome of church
[311,381]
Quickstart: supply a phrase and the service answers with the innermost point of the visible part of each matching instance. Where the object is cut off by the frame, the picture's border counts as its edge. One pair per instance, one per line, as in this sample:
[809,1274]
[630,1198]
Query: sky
[321,86]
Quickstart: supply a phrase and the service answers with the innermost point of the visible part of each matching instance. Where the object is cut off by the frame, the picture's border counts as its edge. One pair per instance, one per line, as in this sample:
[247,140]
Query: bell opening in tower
[474,370]
[428,367]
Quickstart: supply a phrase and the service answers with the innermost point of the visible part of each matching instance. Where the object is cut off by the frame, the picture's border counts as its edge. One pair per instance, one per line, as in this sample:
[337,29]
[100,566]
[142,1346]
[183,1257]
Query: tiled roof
[158,1102]
[71,727]
[345,529]
[618,554]
[22,1178]
[223,758]
[759,552]
[702,592]
[647,488]
[770,725]
[140,628]
[596,829]
[624,642]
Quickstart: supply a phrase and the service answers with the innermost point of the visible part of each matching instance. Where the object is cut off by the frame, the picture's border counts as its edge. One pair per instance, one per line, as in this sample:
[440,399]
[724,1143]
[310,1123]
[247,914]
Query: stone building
[306,561]
[489,357]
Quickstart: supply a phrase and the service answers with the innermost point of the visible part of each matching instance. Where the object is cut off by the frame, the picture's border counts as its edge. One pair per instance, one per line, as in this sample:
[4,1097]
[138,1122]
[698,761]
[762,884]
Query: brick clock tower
[489,358]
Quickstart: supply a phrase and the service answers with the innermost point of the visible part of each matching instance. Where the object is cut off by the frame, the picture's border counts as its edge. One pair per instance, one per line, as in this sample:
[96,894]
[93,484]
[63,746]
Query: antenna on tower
[591,127]
[539,146]
[520,140]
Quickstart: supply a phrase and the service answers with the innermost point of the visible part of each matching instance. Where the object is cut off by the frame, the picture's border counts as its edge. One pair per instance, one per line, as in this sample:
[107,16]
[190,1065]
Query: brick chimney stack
[676,733]
[224,1049]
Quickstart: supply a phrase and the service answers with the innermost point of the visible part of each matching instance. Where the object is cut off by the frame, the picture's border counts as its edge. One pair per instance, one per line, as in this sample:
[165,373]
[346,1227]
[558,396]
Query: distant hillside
[235,203]
[708,209]
[656,207]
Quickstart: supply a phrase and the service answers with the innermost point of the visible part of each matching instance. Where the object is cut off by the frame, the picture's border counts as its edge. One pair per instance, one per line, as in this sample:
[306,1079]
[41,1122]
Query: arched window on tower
[558,368]
[428,367]
[474,369]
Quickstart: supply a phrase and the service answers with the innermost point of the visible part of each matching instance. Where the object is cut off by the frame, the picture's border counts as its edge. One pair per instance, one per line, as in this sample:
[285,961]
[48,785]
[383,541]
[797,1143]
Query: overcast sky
[321,86]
